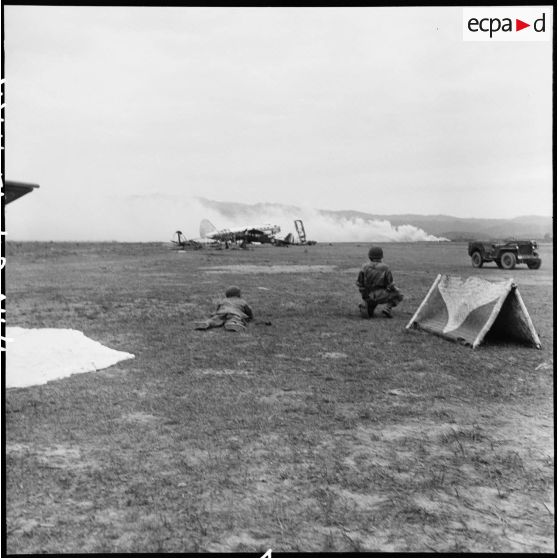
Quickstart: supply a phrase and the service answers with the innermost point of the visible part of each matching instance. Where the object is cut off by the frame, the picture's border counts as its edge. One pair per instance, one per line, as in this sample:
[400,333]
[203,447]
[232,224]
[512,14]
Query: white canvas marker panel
[37,356]
[468,310]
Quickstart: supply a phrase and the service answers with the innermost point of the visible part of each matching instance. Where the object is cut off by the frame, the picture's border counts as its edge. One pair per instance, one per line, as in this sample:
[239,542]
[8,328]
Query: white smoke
[156,217]
[319,226]
[341,229]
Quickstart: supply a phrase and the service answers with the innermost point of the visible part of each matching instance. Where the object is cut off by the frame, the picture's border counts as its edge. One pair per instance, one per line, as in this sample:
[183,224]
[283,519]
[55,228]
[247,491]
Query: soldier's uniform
[375,284]
[232,312]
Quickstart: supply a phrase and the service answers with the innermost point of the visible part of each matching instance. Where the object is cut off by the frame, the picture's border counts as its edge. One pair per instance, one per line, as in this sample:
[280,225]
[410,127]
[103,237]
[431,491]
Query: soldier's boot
[214,321]
[366,309]
[371,307]
[234,325]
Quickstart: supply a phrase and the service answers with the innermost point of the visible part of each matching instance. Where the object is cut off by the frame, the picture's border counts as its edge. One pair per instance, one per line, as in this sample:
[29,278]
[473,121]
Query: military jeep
[506,254]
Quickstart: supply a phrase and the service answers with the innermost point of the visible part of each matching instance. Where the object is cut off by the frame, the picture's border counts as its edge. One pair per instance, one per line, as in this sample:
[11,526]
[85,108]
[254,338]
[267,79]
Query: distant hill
[458,228]
[453,228]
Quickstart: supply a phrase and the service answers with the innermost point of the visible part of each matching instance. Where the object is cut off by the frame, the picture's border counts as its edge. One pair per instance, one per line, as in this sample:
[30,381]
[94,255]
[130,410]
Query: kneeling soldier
[376,286]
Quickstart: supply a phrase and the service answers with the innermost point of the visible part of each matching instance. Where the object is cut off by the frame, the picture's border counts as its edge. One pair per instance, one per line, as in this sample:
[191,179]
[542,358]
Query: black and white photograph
[278,279]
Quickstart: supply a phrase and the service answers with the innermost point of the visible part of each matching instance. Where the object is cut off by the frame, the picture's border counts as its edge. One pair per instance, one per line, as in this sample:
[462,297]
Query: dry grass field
[313,431]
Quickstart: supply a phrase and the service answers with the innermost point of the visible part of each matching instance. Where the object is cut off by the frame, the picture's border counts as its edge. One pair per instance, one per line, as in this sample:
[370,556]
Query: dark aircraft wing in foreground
[14,190]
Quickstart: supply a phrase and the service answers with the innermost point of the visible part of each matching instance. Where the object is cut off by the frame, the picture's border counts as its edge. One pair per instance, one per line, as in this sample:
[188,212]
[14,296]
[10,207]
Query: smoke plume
[155,217]
[319,225]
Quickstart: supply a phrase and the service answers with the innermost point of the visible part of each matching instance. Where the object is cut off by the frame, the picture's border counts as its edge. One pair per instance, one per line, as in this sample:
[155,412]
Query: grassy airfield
[314,431]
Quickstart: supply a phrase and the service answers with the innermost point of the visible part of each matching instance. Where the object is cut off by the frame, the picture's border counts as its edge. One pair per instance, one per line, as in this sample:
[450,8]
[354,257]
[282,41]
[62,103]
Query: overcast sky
[382,110]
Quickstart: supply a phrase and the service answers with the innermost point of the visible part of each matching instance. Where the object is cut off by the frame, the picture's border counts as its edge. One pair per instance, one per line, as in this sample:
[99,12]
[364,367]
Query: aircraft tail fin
[206,227]
[299,226]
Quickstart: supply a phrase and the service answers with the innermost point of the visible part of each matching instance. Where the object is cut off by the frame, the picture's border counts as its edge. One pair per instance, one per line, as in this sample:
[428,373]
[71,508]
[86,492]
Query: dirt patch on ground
[140,418]
[409,474]
[244,541]
[333,355]
[270,269]
[285,397]
[219,372]
[520,276]
[55,457]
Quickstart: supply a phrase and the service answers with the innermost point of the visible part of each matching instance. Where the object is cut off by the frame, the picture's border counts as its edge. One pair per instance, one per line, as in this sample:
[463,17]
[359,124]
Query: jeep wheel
[476,259]
[535,264]
[508,260]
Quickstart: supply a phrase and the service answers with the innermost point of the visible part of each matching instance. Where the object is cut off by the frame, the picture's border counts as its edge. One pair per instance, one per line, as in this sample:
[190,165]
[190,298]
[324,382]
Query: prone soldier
[232,312]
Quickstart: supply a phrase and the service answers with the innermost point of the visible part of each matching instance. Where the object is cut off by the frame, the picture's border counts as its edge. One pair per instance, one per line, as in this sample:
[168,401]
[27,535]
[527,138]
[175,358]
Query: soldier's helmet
[375,253]
[232,291]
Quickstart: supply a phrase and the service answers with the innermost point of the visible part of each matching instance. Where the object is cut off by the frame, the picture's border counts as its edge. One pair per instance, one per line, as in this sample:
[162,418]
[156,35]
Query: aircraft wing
[14,190]
[262,233]
[238,233]
[222,235]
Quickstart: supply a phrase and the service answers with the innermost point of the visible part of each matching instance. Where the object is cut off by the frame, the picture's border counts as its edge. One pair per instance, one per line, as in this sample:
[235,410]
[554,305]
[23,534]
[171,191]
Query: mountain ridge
[537,227]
